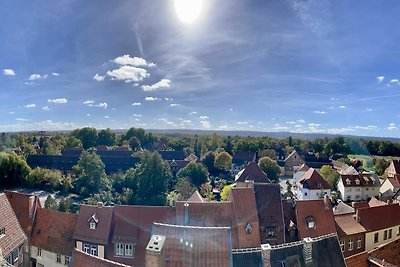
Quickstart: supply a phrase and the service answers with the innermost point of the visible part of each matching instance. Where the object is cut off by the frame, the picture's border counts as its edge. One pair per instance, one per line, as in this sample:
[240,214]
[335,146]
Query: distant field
[368,160]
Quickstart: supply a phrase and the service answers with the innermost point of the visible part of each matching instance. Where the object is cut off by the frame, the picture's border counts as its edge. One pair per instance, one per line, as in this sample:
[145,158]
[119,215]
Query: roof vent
[100,204]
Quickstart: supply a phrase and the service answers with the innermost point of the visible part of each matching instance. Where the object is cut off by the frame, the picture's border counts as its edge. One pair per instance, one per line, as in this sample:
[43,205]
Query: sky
[309,66]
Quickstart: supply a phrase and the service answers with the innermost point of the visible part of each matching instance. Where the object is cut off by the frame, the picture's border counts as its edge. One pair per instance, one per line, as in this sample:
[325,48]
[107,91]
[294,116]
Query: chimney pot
[100,204]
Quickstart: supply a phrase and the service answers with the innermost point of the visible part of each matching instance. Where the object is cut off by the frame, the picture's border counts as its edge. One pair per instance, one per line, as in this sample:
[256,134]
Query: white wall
[305,194]
[369,237]
[48,259]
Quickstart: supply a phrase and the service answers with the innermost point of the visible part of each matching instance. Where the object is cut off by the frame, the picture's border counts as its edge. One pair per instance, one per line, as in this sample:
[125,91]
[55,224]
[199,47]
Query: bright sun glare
[188,10]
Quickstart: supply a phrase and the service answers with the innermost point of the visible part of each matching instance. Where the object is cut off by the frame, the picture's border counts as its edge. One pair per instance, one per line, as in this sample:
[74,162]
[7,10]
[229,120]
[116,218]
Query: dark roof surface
[52,231]
[14,235]
[243,156]
[101,234]
[252,172]
[372,217]
[173,154]
[313,180]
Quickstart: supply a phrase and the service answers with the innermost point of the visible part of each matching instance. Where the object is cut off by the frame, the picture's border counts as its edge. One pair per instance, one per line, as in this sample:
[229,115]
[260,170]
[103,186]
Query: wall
[48,259]
[355,250]
[369,238]
[311,194]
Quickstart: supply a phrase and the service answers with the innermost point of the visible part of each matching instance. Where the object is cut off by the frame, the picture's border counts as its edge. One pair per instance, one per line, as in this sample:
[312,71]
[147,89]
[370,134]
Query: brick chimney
[154,252]
[307,249]
[327,203]
[266,254]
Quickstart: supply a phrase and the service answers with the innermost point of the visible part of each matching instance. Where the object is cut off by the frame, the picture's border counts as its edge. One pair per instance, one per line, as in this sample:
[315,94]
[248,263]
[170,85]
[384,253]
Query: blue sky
[290,65]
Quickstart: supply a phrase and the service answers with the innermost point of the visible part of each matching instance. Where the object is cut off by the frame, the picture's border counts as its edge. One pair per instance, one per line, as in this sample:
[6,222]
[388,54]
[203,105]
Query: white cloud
[88,102]
[242,123]
[342,107]
[106,117]
[30,106]
[46,125]
[11,112]
[133,61]
[300,121]
[313,124]
[193,113]
[168,99]
[369,109]
[163,83]
[380,79]
[369,127]
[394,81]
[206,124]
[203,117]
[136,104]
[150,98]
[298,126]
[21,119]
[339,130]
[101,105]
[8,72]
[46,108]
[187,121]
[231,109]
[88,115]
[174,105]
[278,127]
[35,77]
[128,73]
[291,122]
[58,100]
[320,112]
[392,126]
[98,77]
[55,74]
[166,121]
[137,115]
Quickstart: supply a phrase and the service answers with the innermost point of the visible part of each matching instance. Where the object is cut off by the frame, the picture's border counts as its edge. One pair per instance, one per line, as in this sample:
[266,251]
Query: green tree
[64,205]
[195,172]
[184,188]
[50,203]
[90,174]
[73,142]
[134,143]
[13,169]
[106,137]
[225,192]
[330,175]
[289,192]
[40,178]
[87,135]
[270,167]
[153,175]
[380,165]
[223,161]
[208,161]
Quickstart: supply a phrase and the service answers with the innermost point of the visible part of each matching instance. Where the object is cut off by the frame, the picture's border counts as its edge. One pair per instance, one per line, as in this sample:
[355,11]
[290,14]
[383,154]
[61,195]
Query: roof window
[248,228]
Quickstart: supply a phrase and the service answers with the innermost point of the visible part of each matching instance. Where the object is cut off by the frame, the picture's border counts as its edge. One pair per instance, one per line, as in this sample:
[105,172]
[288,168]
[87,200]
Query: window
[270,231]
[349,189]
[92,225]
[342,245]
[129,250]
[348,182]
[2,232]
[390,233]
[358,242]
[366,189]
[39,252]
[357,196]
[385,235]
[86,248]
[319,185]
[376,237]
[58,258]
[248,228]
[93,250]
[305,194]
[357,182]
[119,249]
[67,260]
[350,244]
[310,222]
[358,189]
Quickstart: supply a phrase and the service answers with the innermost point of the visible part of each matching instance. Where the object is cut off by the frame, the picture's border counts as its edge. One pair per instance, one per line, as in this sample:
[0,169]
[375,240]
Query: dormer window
[357,182]
[348,181]
[2,232]
[310,222]
[248,229]
[93,221]
[319,185]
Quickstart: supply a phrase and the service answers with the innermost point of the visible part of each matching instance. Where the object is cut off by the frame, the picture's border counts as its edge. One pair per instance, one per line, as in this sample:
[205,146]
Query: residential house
[251,174]
[349,171]
[312,186]
[92,231]
[358,187]
[13,240]
[270,213]
[180,245]
[381,222]
[389,187]
[393,170]
[82,259]
[51,242]
[241,159]
[177,165]
[314,218]
[172,154]
[351,234]
[343,208]
[320,251]
[292,163]
[299,173]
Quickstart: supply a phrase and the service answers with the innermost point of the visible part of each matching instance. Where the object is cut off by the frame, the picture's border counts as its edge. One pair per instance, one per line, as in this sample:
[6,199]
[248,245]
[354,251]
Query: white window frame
[390,234]
[39,252]
[377,238]
[358,242]
[350,244]
[67,260]
[385,235]
[58,258]
[86,248]
[342,245]
[92,225]
[93,250]
[2,232]
[129,250]
[119,249]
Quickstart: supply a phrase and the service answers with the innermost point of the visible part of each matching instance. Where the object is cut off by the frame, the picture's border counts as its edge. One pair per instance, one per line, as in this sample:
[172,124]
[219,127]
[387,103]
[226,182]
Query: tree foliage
[40,178]
[195,172]
[225,192]
[106,137]
[223,161]
[13,169]
[50,203]
[87,135]
[270,167]
[330,175]
[208,161]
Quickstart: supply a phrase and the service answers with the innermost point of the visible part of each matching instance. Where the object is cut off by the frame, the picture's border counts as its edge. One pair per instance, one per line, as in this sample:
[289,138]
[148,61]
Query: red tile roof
[52,231]
[14,235]
[396,165]
[313,180]
[195,246]
[24,206]
[320,212]
[375,202]
[347,224]
[364,180]
[372,217]
[196,197]
[395,182]
[82,259]
[252,172]
[133,224]
[101,234]
[389,252]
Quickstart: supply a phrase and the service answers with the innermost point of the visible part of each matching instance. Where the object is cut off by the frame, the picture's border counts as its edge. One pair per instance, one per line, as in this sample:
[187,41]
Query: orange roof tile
[346,224]
[313,180]
[252,172]
[52,231]
[371,217]
[82,259]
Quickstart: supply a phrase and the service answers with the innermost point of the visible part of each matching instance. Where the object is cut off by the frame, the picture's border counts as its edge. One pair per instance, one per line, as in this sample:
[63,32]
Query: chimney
[99,204]
[31,204]
[327,202]
[307,249]
[266,255]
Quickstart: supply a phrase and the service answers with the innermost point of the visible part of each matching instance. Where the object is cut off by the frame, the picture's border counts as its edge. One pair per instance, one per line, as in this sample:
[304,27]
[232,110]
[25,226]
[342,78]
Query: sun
[188,10]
